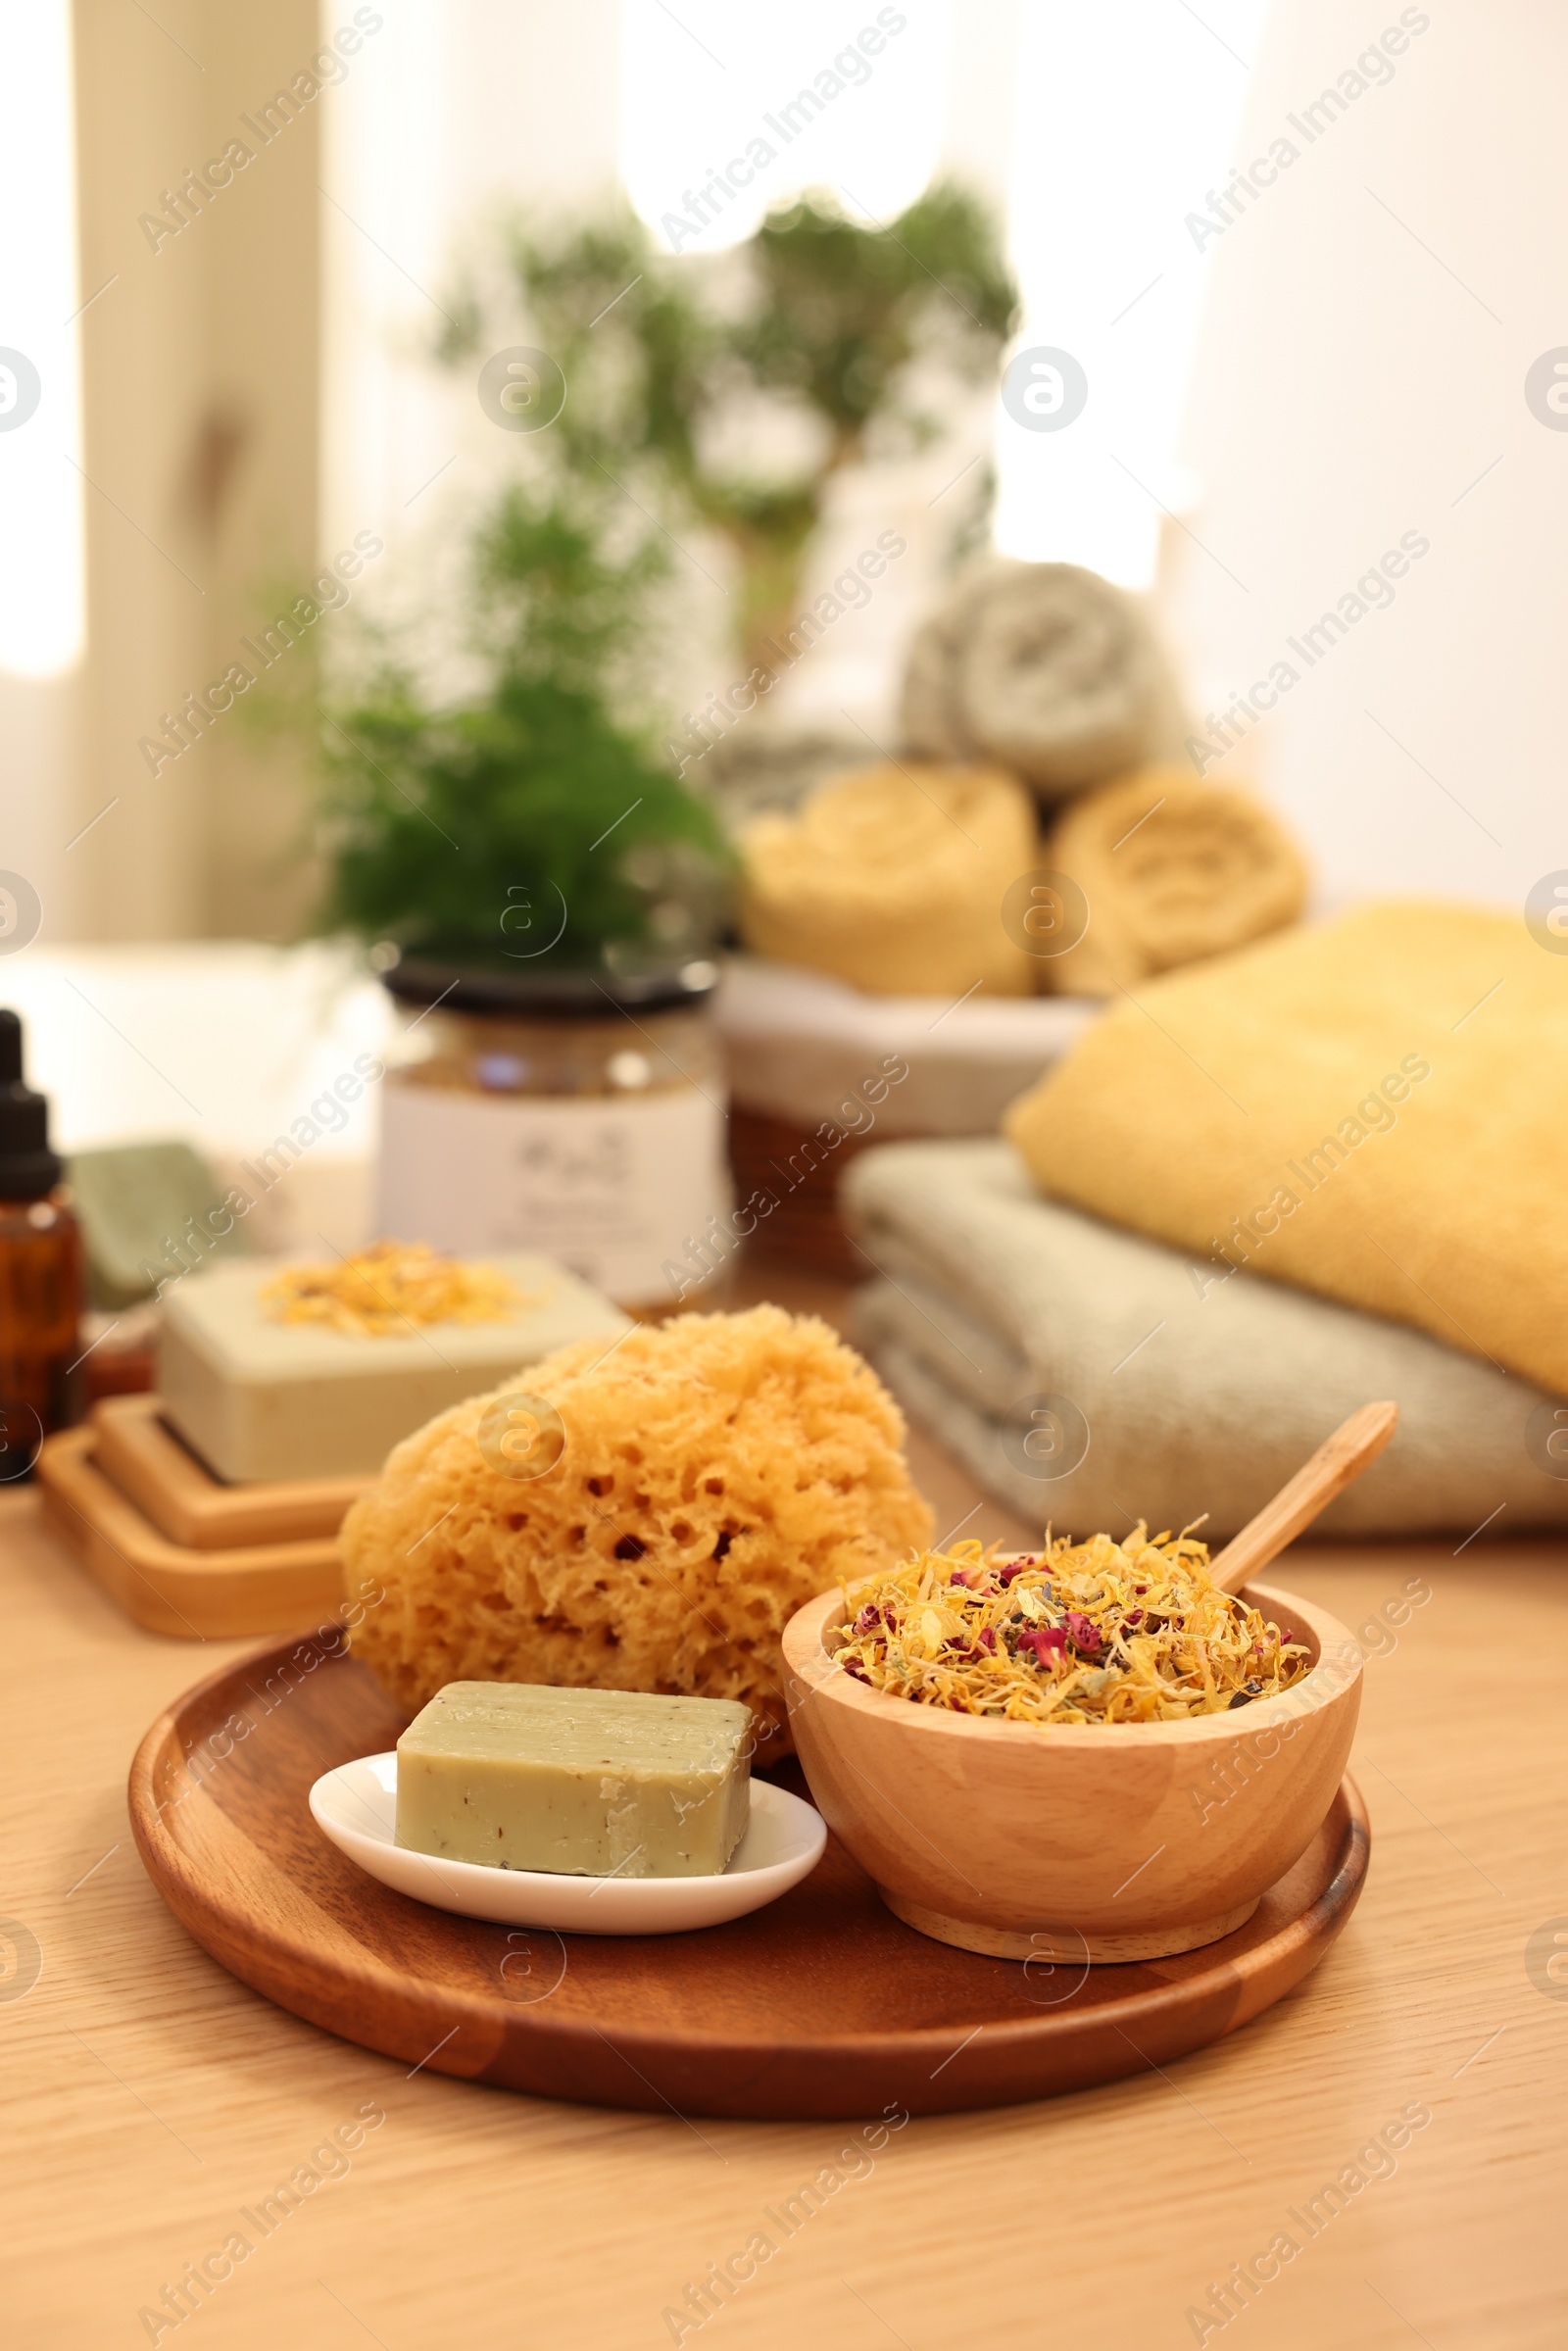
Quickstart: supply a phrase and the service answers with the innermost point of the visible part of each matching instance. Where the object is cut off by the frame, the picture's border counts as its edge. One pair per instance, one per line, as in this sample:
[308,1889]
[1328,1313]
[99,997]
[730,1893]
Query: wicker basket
[773,1156]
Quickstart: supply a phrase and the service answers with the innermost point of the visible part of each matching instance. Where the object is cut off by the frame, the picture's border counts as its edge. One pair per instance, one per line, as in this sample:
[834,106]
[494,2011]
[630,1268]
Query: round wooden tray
[821,2006]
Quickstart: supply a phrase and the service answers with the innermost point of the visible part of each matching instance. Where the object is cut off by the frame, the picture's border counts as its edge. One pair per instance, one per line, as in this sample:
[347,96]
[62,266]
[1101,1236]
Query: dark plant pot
[559,994]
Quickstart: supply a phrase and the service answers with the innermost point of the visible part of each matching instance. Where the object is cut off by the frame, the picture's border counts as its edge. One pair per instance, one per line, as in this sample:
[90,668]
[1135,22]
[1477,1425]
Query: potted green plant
[540,890]
[543,895]
[816,320]
[525,824]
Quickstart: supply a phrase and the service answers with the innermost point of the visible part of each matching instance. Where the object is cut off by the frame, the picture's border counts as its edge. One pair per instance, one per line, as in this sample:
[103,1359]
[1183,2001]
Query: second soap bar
[584,1783]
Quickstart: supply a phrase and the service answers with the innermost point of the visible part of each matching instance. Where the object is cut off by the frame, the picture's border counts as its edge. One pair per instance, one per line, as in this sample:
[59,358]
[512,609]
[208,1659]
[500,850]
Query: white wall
[1361,367]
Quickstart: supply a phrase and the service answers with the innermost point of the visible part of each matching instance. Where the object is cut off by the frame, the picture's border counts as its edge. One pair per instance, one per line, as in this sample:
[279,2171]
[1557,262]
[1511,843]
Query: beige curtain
[200,367]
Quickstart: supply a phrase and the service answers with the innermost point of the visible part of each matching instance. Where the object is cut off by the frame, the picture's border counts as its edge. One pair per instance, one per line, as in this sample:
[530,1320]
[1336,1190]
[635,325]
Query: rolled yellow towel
[1173,870]
[892,879]
[1373,1107]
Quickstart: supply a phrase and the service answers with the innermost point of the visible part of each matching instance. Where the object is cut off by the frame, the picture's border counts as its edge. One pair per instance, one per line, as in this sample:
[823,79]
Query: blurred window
[42,580]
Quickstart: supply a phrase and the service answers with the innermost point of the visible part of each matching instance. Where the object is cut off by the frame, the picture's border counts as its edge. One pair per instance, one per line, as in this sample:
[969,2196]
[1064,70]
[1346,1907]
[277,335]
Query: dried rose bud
[1084,1634]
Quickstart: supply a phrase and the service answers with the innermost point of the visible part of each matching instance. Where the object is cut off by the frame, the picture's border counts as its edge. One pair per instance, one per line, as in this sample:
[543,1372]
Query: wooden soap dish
[140,1452]
[196,1593]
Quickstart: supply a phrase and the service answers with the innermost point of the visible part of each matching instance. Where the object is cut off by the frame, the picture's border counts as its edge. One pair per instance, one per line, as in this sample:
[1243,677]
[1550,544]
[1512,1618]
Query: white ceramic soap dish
[356,1807]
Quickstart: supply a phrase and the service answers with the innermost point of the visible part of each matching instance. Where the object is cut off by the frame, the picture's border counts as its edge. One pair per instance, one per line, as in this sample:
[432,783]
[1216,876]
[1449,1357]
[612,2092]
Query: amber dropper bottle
[40,1269]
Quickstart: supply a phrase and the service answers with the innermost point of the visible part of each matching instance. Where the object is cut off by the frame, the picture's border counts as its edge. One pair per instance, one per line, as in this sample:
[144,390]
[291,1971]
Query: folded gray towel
[1047,669]
[1091,1377]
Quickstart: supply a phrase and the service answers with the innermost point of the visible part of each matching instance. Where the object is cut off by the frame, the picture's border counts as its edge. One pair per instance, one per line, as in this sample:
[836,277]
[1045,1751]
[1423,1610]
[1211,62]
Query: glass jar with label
[577,1116]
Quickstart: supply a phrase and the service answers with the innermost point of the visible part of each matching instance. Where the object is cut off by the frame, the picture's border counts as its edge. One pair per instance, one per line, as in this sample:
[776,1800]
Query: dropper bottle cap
[29,1168]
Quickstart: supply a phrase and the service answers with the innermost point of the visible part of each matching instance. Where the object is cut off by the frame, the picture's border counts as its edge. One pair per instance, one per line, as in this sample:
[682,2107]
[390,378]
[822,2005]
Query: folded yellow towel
[1173,870]
[893,878]
[1374,1109]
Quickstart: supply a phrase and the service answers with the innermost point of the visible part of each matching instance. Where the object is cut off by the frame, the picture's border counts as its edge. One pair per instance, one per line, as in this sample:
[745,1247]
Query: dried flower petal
[986,1643]
[1085,1635]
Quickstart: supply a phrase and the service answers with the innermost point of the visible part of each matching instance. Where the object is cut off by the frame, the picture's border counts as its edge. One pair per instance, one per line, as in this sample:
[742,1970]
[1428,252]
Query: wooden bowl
[1098,1842]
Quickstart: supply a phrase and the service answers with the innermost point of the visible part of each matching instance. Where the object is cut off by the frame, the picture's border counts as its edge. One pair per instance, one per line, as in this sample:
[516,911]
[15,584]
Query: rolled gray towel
[1047,669]
[1091,1377]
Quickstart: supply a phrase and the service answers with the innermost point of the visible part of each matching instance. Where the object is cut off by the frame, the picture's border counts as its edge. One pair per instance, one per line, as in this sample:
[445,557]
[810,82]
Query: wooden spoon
[1340,1458]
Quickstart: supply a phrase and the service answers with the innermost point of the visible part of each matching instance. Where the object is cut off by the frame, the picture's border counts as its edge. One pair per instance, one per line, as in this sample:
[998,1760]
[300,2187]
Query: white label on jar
[611,1190]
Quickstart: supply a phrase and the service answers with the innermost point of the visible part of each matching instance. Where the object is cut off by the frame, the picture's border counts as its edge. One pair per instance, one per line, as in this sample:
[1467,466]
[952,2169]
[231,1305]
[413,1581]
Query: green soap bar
[259,1399]
[137,1202]
[584,1783]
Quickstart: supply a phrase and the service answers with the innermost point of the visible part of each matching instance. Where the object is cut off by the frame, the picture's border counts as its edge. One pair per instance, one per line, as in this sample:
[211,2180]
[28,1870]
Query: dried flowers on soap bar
[391,1288]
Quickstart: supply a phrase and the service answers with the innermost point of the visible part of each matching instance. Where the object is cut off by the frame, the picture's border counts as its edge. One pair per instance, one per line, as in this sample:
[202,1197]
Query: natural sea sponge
[717,1470]
[892,878]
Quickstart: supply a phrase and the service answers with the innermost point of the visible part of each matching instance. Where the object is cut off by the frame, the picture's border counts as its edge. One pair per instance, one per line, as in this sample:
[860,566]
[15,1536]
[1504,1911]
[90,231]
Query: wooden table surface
[149,2098]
